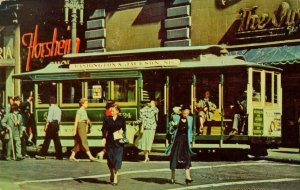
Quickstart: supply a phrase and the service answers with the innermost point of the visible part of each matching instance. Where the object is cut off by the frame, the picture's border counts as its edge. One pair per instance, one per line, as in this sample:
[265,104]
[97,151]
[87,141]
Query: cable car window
[98,91]
[45,90]
[268,96]
[71,91]
[256,86]
[124,90]
[275,89]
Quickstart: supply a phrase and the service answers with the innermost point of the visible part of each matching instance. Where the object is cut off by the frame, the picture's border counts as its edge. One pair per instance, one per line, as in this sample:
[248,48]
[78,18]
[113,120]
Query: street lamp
[74,5]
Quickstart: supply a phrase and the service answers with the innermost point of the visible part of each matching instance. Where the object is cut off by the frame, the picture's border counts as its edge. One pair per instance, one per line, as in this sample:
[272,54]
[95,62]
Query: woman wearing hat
[181,127]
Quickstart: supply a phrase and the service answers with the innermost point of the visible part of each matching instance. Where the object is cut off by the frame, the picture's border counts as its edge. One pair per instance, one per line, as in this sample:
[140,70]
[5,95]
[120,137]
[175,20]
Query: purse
[119,136]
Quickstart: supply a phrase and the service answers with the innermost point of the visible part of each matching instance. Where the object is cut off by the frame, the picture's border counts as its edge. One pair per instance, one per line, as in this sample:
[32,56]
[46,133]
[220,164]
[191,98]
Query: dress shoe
[187,181]
[19,158]
[40,157]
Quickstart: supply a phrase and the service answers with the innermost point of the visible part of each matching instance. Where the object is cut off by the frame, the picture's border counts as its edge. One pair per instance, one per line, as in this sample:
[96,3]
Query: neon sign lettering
[46,49]
[284,17]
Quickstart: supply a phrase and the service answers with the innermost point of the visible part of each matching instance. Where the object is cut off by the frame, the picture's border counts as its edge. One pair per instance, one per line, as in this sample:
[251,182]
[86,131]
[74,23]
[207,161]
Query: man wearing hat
[24,107]
[13,123]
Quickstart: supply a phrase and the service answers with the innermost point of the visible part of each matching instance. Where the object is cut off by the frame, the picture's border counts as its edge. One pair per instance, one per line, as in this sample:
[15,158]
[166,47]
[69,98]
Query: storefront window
[98,91]
[45,91]
[124,90]
[71,91]
[256,86]
[268,97]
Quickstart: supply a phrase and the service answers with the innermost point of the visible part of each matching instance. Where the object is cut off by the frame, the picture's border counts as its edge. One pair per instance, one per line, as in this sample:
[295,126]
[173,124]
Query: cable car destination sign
[125,64]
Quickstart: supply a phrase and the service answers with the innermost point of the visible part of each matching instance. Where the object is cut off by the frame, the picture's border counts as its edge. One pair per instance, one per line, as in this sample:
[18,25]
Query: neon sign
[46,49]
[284,17]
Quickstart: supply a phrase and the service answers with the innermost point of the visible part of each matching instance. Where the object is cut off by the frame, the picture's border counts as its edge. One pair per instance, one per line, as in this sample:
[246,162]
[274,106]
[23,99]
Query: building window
[71,91]
[98,91]
[45,90]
[256,86]
[124,90]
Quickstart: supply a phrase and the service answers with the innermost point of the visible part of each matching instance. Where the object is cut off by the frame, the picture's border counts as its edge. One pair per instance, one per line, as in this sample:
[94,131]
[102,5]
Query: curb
[283,160]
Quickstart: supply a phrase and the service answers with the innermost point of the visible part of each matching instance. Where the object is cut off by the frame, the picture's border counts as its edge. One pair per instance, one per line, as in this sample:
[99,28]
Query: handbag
[119,136]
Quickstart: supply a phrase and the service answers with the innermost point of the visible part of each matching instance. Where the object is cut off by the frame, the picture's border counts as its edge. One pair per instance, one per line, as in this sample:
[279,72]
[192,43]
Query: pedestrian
[181,127]
[23,105]
[51,129]
[113,127]
[107,113]
[149,119]
[29,124]
[13,123]
[81,125]
[4,136]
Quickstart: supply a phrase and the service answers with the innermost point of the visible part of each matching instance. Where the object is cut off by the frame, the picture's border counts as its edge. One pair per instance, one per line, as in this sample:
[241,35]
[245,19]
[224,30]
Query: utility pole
[74,5]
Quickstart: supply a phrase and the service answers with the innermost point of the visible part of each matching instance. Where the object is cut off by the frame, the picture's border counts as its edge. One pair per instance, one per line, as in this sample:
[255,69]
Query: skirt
[114,157]
[180,156]
[81,143]
[146,140]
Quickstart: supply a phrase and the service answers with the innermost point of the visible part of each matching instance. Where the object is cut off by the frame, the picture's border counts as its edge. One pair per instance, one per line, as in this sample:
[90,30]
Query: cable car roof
[64,72]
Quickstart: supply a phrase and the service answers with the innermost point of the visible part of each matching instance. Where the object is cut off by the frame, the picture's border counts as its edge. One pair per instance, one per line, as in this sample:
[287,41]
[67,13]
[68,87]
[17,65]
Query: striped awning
[285,54]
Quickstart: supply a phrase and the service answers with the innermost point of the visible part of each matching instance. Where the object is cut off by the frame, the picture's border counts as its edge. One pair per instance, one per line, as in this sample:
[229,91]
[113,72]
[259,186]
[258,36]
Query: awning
[285,54]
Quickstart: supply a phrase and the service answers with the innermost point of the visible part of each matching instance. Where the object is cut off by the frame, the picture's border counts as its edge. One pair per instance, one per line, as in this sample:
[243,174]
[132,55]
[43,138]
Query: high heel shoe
[100,156]
[114,183]
[187,181]
[172,181]
[73,159]
[92,159]
[146,160]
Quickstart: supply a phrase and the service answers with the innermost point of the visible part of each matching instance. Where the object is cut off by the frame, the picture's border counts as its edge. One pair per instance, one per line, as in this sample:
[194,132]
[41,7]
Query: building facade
[10,62]
[241,26]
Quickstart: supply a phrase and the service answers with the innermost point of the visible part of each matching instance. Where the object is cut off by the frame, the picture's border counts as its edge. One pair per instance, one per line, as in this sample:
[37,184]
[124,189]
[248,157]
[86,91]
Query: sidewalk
[290,155]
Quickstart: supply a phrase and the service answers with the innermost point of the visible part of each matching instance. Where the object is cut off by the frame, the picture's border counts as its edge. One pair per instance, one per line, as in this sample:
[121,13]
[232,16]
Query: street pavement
[214,170]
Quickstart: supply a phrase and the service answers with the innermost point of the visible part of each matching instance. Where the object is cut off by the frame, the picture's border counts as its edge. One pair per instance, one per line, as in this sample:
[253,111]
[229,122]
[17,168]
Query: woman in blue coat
[181,127]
